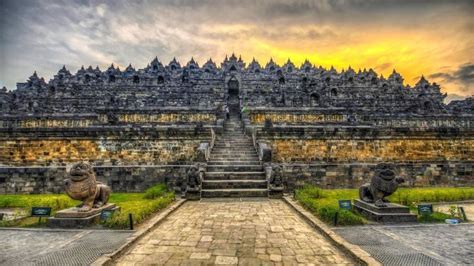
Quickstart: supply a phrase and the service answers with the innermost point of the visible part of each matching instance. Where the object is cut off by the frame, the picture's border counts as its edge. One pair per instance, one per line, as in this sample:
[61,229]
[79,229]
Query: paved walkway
[432,244]
[57,247]
[264,232]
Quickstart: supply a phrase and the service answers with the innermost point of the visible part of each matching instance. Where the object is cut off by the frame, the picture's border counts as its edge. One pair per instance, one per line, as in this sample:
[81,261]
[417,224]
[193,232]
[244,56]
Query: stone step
[234,193]
[234,148]
[234,140]
[235,168]
[232,145]
[233,153]
[241,143]
[235,157]
[235,175]
[247,142]
[233,131]
[232,162]
[234,183]
[229,144]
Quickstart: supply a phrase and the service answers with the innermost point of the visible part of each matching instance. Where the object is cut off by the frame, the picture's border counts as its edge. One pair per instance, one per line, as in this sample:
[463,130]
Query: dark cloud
[464,74]
[441,75]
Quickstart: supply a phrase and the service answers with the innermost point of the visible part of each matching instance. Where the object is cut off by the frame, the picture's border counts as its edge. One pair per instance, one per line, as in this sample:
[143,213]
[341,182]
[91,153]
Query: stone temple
[300,125]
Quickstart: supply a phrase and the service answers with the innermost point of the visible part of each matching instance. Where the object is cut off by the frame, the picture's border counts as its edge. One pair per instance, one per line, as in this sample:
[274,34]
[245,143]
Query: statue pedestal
[275,193]
[393,213]
[193,195]
[71,218]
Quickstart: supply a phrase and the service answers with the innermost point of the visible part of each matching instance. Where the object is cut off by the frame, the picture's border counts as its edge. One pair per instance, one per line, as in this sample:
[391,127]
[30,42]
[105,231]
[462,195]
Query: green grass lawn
[141,205]
[324,202]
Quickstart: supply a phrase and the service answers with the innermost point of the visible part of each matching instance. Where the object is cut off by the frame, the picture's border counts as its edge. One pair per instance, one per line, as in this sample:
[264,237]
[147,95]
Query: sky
[430,38]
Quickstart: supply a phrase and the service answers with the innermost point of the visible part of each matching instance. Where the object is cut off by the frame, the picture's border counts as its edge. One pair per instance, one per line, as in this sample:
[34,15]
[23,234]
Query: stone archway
[233,86]
[233,89]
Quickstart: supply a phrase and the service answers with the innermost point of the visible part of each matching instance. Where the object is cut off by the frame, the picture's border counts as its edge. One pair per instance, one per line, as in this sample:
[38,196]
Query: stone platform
[71,218]
[393,213]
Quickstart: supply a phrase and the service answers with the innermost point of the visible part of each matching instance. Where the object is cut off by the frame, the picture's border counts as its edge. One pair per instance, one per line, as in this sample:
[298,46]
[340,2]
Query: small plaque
[425,209]
[106,214]
[40,211]
[345,204]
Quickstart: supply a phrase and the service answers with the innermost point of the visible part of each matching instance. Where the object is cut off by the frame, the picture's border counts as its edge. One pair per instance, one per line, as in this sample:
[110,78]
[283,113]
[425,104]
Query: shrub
[140,205]
[413,196]
[324,202]
[140,209]
[313,192]
[155,191]
[56,202]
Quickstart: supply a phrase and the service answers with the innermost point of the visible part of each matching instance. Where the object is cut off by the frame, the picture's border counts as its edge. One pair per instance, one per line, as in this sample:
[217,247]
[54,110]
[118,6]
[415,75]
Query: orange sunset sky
[430,38]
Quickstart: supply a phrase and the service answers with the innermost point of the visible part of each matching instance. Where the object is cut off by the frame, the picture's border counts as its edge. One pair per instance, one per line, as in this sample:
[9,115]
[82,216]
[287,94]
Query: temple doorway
[233,86]
[233,101]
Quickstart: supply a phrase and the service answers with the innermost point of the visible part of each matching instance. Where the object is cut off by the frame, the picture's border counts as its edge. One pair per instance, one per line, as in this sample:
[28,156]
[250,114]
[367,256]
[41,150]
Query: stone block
[69,221]
[264,152]
[393,213]
[73,213]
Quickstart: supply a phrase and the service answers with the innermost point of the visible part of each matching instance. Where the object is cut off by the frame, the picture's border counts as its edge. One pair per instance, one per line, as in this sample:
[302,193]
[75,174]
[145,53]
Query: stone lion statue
[275,181]
[383,184]
[194,181]
[82,185]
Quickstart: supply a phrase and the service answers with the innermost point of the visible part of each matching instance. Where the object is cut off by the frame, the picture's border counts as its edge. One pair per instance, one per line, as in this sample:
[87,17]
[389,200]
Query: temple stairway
[234,169]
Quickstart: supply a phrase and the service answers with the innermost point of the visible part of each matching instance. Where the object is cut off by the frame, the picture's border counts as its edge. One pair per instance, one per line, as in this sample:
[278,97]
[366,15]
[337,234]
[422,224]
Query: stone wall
[352,175]
[259,118]
[33,180]
[344,156]
[154,117]
[300,116]
[129,159]
[376,150]
[22,152]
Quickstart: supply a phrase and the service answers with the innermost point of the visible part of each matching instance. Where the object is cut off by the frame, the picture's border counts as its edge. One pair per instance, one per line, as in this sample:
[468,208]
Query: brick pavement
[423,244]
[57,247]
[238,232]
